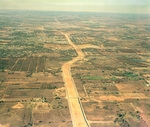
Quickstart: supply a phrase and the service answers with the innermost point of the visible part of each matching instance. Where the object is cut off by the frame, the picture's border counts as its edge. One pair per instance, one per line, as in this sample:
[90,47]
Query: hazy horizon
[106,6]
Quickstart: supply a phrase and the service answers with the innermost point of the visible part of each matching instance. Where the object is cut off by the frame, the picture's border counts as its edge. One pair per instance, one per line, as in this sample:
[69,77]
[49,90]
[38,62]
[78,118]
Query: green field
[96,78]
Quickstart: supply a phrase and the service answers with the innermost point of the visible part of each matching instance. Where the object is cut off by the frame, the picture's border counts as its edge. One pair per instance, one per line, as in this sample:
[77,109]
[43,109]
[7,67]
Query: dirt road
[76,110]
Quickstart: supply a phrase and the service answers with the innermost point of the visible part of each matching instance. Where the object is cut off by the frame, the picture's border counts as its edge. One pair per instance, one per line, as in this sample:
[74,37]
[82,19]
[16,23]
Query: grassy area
[138,60]
[129,75]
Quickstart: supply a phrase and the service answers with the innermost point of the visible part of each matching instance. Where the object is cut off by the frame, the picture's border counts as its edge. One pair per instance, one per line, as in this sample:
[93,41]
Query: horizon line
[74,11]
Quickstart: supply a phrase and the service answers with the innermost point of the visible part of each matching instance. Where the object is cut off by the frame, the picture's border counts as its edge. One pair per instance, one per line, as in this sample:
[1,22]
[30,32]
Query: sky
[113,6]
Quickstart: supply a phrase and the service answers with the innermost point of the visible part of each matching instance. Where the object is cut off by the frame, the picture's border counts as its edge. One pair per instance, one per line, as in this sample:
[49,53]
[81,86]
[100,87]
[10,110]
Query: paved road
[76,110]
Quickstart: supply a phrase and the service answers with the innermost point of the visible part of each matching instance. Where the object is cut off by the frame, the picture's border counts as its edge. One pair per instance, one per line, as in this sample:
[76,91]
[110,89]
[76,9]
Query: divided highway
[75,106]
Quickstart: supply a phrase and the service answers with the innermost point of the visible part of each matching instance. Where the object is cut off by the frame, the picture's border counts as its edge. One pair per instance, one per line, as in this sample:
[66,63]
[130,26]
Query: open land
[67,69]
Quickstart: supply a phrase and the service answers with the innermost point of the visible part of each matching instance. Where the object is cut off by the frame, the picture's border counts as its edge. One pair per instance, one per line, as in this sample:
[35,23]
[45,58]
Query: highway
[75,106]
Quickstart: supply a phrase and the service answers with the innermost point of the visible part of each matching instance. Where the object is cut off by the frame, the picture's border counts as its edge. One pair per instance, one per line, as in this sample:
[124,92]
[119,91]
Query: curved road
[75,106]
